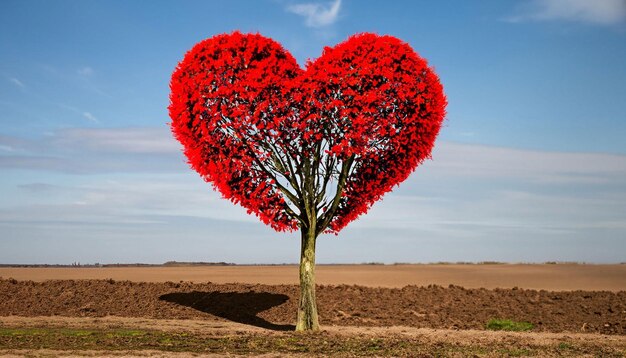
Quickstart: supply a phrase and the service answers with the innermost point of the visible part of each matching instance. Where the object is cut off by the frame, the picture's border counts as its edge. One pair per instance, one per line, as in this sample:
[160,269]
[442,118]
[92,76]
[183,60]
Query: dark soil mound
[274,307]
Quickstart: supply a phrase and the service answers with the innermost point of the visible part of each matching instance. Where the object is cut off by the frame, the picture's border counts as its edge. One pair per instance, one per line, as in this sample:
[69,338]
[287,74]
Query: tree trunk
[307,309]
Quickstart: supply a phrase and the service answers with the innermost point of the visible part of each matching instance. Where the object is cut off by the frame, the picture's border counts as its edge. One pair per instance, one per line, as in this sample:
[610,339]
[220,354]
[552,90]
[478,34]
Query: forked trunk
[307,308]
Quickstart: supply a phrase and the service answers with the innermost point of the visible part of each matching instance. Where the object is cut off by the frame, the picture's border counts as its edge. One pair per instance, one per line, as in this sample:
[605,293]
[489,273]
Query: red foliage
[277,139]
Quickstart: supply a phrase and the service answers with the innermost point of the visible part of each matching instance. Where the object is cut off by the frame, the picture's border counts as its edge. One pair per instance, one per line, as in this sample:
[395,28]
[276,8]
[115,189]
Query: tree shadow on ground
[241,307]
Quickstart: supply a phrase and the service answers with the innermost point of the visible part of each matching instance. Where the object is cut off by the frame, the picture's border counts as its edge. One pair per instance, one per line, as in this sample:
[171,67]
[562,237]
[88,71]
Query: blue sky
[529,167]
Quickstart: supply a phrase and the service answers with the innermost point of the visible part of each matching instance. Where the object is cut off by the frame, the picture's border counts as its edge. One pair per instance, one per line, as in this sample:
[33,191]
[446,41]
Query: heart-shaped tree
[311,149]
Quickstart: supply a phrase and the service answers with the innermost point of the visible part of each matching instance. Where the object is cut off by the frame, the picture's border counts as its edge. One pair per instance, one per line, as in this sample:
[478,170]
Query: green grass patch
[508,325]
[17,332]
[516,352]
[564,346]
[64,338]
[70,332]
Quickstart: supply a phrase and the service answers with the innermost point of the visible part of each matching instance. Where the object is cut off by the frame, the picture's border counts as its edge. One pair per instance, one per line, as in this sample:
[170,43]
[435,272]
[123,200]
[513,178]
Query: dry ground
[579,315]
[141,337]
[559,277]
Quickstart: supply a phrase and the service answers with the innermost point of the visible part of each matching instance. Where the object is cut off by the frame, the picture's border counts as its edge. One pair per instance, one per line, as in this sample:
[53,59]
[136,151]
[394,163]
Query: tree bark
[307,308]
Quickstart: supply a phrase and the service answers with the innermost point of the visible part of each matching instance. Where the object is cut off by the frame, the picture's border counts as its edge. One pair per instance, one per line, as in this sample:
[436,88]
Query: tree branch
[327,216]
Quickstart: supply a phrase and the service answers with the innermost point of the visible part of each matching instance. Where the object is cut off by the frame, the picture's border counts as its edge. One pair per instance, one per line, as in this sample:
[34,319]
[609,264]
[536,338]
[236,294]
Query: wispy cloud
[87,77]
[87,151]
[90,117]
[112,200]
[17,82]
[469,190]
[115,149]
[531,166]
[600,12]
[316,14]
[13,144]
[87,115]
[118,140]
[85,71]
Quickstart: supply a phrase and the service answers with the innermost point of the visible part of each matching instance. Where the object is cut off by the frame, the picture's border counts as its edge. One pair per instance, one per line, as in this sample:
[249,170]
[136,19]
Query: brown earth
[141,337]
[576,310]
[273,306]
[559,277]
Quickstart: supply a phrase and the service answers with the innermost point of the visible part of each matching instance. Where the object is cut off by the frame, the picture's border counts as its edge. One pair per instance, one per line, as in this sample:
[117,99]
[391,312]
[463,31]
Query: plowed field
[258,319]
[274,306]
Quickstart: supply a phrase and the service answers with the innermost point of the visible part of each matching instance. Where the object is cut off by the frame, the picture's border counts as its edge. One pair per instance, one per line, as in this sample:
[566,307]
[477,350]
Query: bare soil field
[141,337]
[552,277]
[408,315]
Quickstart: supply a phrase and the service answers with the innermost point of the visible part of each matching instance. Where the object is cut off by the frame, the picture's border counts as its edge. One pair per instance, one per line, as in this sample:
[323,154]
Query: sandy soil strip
[559,277]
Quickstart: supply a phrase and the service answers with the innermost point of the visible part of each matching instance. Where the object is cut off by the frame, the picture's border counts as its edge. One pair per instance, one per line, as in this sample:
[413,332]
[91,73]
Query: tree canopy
[305,147]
